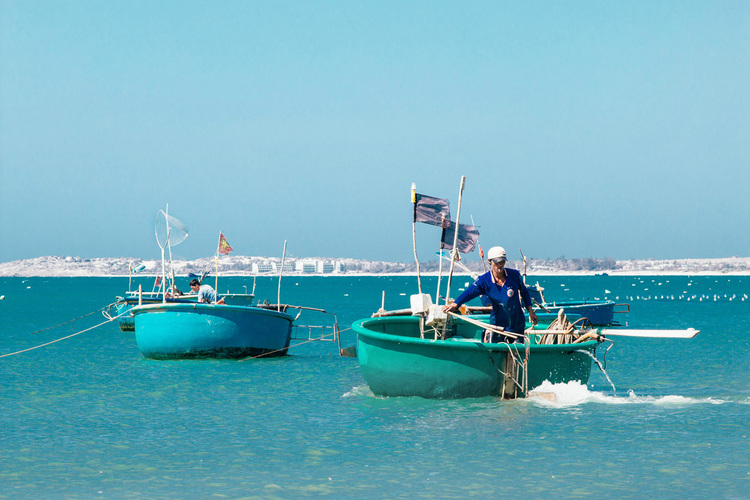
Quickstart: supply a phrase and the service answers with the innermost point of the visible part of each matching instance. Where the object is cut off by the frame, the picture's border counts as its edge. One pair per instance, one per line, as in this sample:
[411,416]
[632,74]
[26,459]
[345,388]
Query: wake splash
[359,390]
[574,393]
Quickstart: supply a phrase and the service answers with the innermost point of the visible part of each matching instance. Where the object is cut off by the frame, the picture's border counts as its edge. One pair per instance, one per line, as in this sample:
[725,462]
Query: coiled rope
[110,319]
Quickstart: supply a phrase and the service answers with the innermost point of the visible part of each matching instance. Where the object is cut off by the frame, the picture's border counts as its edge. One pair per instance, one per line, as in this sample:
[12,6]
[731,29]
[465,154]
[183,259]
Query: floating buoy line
[687,297]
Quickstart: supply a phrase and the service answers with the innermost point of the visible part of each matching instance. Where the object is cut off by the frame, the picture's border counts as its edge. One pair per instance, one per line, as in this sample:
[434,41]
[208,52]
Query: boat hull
[599,313]
[185,331]
[125,317]
[395,361]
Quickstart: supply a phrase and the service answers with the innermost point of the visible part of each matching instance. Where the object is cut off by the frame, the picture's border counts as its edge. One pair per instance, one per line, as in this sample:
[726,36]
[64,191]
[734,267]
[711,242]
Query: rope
[560,331]
[279,350]
[76,319]
[63,338]
[514,364]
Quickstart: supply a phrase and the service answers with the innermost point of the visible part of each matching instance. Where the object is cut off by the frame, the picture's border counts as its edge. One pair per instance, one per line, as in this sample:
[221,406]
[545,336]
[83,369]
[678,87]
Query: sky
[612,129]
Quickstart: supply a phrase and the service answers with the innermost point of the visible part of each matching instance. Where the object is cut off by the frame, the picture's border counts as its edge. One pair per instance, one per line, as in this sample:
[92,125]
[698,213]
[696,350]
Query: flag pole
[281,270]
[481,253]
[217,264]
[440,264]
[455,239]
[414,233]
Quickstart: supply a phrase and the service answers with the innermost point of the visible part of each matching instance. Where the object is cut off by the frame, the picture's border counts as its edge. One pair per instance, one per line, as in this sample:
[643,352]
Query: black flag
[468,236]
[430,210]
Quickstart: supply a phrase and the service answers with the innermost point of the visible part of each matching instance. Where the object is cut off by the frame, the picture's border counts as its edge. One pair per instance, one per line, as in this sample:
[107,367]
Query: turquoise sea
[89,417]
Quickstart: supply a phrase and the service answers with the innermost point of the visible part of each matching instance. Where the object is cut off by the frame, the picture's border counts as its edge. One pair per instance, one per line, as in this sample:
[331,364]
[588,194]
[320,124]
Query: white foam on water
[359,390]
[575,393]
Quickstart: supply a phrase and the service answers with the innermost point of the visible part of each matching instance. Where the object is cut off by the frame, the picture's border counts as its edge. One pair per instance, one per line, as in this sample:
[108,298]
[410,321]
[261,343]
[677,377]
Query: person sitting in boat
[505,289]
[175,292]
[206,293]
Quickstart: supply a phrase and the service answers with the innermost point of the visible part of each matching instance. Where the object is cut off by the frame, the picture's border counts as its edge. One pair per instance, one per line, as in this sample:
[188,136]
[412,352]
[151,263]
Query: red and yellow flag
[224,247]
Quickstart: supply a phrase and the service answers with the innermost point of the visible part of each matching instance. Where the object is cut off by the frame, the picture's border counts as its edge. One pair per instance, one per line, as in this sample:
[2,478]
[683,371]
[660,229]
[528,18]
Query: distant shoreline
[405,274]
[244,266]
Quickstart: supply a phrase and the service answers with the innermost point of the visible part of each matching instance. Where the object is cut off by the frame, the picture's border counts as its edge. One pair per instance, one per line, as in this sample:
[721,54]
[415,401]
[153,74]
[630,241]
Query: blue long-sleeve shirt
[506,312]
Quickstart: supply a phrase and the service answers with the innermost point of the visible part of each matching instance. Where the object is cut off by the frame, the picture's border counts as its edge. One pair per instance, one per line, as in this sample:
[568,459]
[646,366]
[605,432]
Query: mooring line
[63,338]
[279,350]
[74,319]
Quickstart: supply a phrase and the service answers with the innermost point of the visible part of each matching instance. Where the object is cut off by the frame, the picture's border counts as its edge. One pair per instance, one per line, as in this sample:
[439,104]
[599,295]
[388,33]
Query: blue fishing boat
[598,312]
[185,331]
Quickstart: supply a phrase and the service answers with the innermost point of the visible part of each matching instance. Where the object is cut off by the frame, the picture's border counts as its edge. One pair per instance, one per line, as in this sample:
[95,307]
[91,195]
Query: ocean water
[89,417]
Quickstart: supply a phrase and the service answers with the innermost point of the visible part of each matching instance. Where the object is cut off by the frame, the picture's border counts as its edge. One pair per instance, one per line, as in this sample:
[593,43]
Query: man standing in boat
[505,290]
[206,293]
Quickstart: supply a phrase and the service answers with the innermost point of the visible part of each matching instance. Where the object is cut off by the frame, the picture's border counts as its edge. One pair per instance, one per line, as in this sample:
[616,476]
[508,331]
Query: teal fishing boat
[219,326]
[170,232]
[396,360]
[437,353]
[185,331]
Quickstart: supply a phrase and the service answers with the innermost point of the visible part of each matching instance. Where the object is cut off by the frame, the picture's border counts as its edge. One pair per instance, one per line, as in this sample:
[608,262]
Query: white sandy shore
[242,266]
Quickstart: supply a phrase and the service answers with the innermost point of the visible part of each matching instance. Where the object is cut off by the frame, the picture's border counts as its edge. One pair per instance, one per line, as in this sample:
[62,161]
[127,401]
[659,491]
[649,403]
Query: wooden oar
[659,334]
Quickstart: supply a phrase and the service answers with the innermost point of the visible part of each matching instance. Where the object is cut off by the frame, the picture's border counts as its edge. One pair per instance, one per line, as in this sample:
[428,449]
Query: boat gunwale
[207,308]
[469,344]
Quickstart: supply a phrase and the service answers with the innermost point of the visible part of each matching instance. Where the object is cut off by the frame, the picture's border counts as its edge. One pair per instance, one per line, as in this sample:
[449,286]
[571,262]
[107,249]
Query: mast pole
[455,239]
[440,260]
[414,234]
[281,271]
[481,256]
[163,265]
[217,264]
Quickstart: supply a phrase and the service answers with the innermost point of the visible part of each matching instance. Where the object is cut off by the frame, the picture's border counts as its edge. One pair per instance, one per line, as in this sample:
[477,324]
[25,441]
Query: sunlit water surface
[89,417]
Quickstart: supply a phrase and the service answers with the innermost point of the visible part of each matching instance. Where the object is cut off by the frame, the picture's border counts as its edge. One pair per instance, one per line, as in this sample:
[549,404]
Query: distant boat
[598,312]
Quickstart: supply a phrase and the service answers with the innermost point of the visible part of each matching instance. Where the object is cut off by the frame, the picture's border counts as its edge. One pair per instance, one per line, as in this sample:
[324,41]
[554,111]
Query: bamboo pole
[486,326]
[163,265]
[281,271]
[455,239]
[216,287]
[440,264]
[414,234]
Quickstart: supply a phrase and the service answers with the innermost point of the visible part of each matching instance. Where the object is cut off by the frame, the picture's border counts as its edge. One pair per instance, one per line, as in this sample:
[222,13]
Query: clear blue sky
[584,129]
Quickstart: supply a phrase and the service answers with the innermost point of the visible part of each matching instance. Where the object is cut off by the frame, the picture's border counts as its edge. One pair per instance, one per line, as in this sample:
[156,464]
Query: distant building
[288,267]
[307,266]
[263,267]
